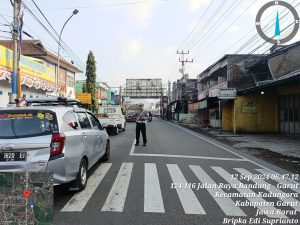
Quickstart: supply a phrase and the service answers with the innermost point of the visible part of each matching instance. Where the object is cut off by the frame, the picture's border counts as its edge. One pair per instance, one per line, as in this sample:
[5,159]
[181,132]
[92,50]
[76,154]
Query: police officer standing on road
[141,127]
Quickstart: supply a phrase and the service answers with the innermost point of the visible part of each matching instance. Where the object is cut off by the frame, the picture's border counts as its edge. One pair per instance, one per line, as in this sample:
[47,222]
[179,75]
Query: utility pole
[17,8]
[184,61]
[169,91]
[161,103]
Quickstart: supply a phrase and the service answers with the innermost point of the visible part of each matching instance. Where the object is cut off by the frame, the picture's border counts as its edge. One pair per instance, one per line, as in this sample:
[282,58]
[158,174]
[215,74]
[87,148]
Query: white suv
[112,118]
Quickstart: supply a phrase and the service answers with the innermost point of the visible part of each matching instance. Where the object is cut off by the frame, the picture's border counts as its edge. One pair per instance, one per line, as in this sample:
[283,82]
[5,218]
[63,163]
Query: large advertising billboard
[143,88]
[33,73]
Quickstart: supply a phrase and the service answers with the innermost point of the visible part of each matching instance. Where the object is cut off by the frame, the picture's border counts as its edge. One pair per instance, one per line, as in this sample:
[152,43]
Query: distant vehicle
[149,116]
[131,116]
[52,136]
[112,118]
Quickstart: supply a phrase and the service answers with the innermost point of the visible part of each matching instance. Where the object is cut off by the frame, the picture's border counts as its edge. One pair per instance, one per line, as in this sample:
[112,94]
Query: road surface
[181,177]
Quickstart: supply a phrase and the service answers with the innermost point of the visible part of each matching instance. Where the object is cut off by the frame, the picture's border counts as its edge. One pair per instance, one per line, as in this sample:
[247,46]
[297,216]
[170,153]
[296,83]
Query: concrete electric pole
[184,61]
[169,91]
[15,35]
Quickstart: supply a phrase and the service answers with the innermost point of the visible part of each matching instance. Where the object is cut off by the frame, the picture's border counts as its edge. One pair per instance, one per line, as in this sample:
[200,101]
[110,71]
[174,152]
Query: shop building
[184,92]
[228,73]
[273,103]
[38,68]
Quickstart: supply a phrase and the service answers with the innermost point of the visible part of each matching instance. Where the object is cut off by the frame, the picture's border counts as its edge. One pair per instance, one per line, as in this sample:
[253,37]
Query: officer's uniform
[141,127]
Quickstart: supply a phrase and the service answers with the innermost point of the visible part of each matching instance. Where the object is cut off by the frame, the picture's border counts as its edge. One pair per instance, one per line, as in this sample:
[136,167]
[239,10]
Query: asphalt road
[158,184]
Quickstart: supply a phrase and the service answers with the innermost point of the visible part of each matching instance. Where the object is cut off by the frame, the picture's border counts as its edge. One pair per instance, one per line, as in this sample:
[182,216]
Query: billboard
[143,88]
[28,66]
[33,74]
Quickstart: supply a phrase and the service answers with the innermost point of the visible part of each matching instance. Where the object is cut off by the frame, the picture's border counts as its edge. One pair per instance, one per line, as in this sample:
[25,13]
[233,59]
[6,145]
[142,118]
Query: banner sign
[29,81]
[28,66]
[84,98]
[248,107]
[227,93]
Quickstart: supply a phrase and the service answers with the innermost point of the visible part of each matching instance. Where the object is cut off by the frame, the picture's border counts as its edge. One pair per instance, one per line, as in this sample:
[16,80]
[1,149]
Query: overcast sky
[139,38]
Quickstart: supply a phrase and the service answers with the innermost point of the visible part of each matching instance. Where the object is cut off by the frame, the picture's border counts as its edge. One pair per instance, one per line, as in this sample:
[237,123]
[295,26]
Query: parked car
[131,116]
[61,139]
[112,118]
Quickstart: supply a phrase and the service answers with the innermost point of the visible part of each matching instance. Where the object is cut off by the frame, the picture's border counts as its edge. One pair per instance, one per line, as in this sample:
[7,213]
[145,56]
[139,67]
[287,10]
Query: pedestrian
[141,127]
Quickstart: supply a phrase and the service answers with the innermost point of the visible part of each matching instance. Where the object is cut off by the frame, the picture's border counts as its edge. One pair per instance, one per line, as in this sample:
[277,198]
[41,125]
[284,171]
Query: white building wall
[5,90]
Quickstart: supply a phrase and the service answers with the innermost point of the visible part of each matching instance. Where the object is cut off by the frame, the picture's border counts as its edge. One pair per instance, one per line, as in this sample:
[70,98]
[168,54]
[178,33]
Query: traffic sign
[84,98]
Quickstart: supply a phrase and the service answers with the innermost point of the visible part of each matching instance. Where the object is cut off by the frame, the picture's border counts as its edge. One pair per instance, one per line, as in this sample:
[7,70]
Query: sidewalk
[272,147]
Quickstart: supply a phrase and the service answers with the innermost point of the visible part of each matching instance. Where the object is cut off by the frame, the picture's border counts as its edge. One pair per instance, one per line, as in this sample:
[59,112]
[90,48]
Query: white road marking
[132,148]
[237,154]
[187,197]
[189,157]
[209,141]
[132,153]
[153,201]
[80,199]
[225,175]
[272,188]
[283,181]
[117,195]
[226,204]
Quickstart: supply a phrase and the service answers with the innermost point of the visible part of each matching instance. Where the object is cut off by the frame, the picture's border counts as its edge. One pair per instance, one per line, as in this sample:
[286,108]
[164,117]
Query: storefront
[36,78]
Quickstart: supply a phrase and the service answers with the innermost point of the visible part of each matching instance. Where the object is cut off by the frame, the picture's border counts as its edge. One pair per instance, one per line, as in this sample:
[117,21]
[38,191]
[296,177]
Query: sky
[139,38]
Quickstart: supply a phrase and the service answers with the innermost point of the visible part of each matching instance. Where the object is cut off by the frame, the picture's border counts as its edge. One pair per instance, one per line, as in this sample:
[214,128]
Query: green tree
[84,88]
[91,81]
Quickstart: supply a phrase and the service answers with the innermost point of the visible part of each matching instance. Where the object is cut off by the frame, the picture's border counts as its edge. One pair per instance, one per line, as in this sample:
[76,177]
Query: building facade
[38,68]
[230,72]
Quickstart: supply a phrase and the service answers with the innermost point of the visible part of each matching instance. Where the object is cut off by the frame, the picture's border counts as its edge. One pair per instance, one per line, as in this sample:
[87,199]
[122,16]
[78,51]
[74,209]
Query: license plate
[12,156]
[104,124]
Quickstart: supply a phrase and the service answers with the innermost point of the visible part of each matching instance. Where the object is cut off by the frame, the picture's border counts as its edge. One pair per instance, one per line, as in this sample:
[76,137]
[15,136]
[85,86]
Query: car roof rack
[52,101]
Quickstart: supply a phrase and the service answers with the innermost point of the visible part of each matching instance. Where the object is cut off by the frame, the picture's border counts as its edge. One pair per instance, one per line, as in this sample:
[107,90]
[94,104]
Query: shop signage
[198,105]
[28,65]
[29,81]
[84,98]
[203,104]
[227,93]
[248,107]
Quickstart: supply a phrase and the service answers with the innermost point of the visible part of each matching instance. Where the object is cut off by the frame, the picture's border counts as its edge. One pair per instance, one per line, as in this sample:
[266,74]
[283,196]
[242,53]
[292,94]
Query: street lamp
[59,45]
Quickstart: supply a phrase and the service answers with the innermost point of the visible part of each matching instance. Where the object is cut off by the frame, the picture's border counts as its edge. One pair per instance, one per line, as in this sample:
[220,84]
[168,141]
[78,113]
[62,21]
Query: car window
[95,122]
[70,121]
[27,123]
[109,110]
[83,121]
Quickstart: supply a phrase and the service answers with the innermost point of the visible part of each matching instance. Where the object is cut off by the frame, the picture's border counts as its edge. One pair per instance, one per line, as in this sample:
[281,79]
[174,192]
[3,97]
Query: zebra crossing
[191,204]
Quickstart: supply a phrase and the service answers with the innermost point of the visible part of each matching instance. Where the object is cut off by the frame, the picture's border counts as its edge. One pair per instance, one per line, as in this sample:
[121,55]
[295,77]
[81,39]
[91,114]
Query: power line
[80,64]
[105,5]
[217,24]
[222,33]
[256,38]
[203,28]
[200,19]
